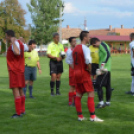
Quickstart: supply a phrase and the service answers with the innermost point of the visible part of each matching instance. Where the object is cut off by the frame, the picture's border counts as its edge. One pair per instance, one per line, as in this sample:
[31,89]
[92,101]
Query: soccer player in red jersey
[72,92]
[15,64]
[80,60]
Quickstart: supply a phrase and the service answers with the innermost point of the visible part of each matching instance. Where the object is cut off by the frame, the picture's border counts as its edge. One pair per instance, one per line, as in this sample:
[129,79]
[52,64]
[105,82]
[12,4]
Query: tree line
[45,18]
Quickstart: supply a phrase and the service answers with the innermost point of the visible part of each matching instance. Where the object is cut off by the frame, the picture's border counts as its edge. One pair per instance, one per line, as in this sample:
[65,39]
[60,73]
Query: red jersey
[81,75]
[16,63]
[71,71]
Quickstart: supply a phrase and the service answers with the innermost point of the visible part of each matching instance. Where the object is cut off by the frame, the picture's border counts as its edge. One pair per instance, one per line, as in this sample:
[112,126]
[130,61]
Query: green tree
[45,16]
[12,17]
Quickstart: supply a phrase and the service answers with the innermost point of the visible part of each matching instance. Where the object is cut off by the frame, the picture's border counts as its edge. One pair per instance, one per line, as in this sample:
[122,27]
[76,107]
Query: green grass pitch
[51,115]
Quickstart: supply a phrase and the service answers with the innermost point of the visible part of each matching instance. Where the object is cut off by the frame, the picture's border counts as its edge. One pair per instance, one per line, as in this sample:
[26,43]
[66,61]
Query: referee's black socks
[52,85]
[57,85]
[94,84]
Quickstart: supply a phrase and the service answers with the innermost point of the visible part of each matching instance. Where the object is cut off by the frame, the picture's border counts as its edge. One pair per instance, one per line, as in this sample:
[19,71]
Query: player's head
[32,44]
[9,35]
[95,42]
[132,36]
[84,36]
[72,41]
[56,37]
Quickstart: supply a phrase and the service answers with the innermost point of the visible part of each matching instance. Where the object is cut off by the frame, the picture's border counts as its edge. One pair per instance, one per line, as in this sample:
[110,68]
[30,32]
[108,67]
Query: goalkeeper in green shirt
[104,72]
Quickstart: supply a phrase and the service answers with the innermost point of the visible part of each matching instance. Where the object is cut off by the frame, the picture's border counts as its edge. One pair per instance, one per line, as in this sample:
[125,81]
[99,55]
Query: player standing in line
[104,75]
[31,61]
[56,64]
[80,60]
[72,92]
[95,62]
[131,45]
[15,64]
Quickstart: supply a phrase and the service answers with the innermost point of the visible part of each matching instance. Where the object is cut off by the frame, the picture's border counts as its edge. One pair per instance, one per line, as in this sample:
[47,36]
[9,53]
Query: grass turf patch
[51,115]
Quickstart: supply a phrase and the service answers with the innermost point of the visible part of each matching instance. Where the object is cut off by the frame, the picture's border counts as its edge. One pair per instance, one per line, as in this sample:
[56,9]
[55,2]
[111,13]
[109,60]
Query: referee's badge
[29,58]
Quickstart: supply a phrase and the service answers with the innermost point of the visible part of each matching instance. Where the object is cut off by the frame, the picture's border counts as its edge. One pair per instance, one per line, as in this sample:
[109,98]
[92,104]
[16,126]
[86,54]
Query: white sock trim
[101,102]
[108,103]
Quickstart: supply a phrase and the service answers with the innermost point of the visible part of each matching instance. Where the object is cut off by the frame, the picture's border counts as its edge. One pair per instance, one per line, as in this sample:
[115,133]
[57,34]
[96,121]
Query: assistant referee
[95,61]
[31,64]
[56,64]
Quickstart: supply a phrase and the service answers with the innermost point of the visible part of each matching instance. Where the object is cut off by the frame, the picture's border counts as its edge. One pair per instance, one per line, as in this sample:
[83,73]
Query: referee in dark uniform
[56,64]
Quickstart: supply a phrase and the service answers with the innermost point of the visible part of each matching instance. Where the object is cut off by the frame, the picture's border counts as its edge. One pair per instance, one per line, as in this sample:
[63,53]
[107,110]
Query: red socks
[78,106]
[74,96]
[90,103]
[18,105]
[70,96]
[91,106]
[23,104]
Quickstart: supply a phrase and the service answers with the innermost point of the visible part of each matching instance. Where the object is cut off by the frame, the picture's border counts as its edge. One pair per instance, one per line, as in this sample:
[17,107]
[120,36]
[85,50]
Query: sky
[98,13]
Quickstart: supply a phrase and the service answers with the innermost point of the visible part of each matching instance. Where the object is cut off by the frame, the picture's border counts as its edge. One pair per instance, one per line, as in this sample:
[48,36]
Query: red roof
[112,38]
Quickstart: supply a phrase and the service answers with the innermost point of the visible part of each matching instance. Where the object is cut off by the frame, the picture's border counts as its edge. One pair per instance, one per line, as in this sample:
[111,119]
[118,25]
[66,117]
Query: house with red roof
[118,44]
[117,38]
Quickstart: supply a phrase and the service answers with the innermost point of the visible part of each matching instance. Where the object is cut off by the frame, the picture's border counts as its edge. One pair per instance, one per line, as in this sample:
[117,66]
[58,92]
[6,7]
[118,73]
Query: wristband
[102,65]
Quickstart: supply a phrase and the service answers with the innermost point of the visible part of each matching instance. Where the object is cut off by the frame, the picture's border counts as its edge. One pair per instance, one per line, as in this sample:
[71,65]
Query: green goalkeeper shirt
[105,56]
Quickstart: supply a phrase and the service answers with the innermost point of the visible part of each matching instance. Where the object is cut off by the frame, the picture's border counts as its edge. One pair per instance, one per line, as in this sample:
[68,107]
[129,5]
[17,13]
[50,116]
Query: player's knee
[31,83]
[91,94]
[72,89]
[78,95]
[26,82]
[53,78]
[58,78]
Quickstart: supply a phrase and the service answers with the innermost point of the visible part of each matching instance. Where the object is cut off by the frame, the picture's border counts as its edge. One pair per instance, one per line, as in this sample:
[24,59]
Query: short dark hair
[83,34]
[93,41]
[132,35]
[10,33]
[32,42]
[71,38]
[55,34]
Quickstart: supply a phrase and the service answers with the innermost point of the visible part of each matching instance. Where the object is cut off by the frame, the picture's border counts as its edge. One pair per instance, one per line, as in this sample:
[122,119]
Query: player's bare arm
[55,58]
[89,68]
[15,48]
[72,66]
[22,40]
[39,68]
[25,45]
[59,59]
[50,56]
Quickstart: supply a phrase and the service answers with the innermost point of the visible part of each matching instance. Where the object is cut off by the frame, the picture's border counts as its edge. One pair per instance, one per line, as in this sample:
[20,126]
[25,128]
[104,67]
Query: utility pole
[85,25]
[29,27]
[60,22]
[5,12]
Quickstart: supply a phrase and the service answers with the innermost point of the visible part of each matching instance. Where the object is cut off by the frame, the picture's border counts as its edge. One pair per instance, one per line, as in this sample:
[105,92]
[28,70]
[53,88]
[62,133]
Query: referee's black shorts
[104,80]
[56,67]
[94,68]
